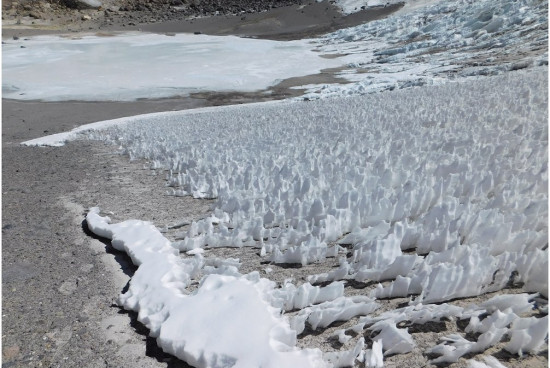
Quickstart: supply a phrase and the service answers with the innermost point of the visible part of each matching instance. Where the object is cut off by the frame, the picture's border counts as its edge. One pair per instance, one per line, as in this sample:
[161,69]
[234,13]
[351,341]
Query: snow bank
[227,321]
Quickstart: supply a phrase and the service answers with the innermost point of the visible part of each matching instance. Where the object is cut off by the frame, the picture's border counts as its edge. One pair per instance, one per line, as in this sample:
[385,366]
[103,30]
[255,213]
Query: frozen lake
[134,65]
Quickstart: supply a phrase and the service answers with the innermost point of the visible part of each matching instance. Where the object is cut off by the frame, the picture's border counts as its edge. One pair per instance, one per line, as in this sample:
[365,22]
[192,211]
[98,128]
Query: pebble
[10,352]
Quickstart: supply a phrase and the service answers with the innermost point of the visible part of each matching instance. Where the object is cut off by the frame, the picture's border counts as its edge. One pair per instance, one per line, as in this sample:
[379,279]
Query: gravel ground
[59,284]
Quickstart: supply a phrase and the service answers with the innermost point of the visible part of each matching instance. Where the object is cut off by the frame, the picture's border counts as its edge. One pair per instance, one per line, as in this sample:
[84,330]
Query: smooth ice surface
[135,65]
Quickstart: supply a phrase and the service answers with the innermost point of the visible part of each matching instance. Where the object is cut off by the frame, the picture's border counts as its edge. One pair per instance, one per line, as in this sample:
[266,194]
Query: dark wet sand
[283,23]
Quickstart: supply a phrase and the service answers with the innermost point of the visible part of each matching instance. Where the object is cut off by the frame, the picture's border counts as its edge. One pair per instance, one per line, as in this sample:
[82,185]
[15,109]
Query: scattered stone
[87,268]
[521,65]
[68,287]
[86,17]
[35,15]
[10,353]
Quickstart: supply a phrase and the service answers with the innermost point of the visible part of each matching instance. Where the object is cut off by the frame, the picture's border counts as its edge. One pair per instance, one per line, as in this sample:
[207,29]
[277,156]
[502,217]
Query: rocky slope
[94,14]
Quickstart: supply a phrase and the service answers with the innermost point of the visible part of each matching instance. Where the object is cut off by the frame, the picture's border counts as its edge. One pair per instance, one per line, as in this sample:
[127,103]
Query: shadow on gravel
[308,331]
[121,257]
[151,348]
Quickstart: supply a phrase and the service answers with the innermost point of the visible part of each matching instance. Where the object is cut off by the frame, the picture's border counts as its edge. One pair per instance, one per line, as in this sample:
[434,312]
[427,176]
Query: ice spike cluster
[442,41]
[440,193]
[400,184]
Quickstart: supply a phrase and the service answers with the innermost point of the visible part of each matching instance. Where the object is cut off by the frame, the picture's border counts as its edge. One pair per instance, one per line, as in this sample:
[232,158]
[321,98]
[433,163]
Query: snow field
[440,193]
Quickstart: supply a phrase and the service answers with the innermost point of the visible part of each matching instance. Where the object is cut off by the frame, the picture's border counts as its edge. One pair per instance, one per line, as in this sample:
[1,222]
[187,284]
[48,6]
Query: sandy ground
[60,283]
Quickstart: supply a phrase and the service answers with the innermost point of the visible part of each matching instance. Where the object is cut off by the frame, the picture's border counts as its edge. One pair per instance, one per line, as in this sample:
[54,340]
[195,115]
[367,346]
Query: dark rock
[35,15]
[82,4]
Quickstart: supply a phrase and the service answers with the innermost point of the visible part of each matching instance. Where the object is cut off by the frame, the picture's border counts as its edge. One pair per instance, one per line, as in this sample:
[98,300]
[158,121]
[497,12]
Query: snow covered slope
[440,192]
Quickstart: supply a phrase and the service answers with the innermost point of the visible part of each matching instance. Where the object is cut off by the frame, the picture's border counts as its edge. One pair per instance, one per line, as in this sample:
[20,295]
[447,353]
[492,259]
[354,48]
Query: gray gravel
[59,285]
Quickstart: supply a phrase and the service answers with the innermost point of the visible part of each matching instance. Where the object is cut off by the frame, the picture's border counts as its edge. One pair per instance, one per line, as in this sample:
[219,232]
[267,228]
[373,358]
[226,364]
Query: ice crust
[129,66]
[438,203]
